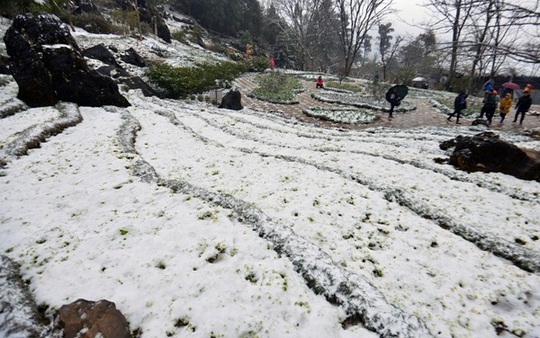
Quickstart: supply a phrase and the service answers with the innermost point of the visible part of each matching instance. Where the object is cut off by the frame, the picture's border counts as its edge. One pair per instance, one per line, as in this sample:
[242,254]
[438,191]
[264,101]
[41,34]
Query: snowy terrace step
[26,138]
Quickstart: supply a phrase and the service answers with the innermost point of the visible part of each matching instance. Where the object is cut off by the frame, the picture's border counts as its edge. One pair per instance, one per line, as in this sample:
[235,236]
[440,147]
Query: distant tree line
[352,37]
[228,17]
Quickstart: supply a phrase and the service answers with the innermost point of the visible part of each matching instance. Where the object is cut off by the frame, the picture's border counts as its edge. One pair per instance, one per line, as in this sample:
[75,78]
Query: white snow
[214,222]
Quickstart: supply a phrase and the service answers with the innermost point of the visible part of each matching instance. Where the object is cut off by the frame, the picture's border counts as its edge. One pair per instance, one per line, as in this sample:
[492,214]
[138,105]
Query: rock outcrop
[486,152]
[232,100]
[48,66]
[115,71]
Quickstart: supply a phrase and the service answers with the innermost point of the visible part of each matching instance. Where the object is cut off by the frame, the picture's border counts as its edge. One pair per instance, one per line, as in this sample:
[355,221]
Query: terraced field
[369,231]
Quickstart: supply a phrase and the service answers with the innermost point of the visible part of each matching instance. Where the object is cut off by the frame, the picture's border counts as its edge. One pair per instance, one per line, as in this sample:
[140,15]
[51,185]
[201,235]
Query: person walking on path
[505,105]
[523,105]
[395,100]
[460,103]
[490,106]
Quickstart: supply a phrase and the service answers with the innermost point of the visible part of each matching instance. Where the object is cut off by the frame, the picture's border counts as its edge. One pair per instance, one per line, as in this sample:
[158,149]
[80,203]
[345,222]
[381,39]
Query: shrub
[180,82]
[277,87]
[258,64]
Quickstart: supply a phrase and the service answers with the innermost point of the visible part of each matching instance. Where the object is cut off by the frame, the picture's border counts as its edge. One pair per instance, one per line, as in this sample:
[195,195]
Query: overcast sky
[409,17]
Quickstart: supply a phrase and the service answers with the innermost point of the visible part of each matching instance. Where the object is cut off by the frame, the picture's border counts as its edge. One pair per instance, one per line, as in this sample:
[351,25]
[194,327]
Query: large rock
[486,152]
[87,319]
[49,67]
[115,71]
[232,100]
[132,57]
[101,53]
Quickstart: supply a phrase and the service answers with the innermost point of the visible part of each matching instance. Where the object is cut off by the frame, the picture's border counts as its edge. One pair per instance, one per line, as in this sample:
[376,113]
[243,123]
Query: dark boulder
[115,71]
[87,319]
[48,66]
[486,152]
[232,100]
[133,58]
[101,53]
[121,76]
[4,61]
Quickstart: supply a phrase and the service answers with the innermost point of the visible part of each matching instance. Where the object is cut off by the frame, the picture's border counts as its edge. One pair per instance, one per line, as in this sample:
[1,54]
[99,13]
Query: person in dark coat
[490,105]
[523,105]
[460,103]
[395,100]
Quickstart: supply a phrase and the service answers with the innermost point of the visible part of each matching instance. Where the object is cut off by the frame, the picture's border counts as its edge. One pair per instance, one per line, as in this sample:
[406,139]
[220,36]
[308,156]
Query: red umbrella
[510,85]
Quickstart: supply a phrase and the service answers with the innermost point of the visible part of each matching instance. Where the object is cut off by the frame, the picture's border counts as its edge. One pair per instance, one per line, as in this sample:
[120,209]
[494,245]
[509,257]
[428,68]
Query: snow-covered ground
[201,222]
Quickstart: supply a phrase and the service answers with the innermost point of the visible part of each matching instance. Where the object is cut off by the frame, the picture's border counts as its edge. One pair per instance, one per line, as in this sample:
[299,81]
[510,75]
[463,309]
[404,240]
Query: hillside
[202,222]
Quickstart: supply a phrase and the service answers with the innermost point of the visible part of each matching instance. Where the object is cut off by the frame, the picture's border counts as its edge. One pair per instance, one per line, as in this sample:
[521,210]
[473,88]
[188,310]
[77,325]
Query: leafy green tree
[387,50]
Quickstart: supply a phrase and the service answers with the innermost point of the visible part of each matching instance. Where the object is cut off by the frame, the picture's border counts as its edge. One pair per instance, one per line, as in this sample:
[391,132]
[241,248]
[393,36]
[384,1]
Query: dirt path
[424,115]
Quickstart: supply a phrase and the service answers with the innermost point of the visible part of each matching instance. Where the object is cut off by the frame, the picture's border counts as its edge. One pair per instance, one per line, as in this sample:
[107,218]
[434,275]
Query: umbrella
[510,85]
[402,91]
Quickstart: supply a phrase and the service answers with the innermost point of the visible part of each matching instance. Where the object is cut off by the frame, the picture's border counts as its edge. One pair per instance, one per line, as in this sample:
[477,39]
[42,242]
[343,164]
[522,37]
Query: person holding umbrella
[394,96]
[395,100]
[508,87]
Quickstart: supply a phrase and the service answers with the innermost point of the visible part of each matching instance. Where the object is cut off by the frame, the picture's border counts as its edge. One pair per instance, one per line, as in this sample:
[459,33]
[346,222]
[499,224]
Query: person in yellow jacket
[505,105]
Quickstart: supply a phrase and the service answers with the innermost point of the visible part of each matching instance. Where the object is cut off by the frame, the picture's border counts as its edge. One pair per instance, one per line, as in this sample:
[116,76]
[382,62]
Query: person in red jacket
[319,82]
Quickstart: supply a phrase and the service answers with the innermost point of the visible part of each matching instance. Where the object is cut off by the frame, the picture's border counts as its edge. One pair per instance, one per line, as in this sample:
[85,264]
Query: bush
[277,87]
[180,82]
[258,64]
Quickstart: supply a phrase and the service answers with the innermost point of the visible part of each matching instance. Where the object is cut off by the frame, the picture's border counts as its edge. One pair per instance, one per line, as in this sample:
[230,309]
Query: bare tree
[481,20]
[298,15]
[356,19]
[519,25]
[454,16]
